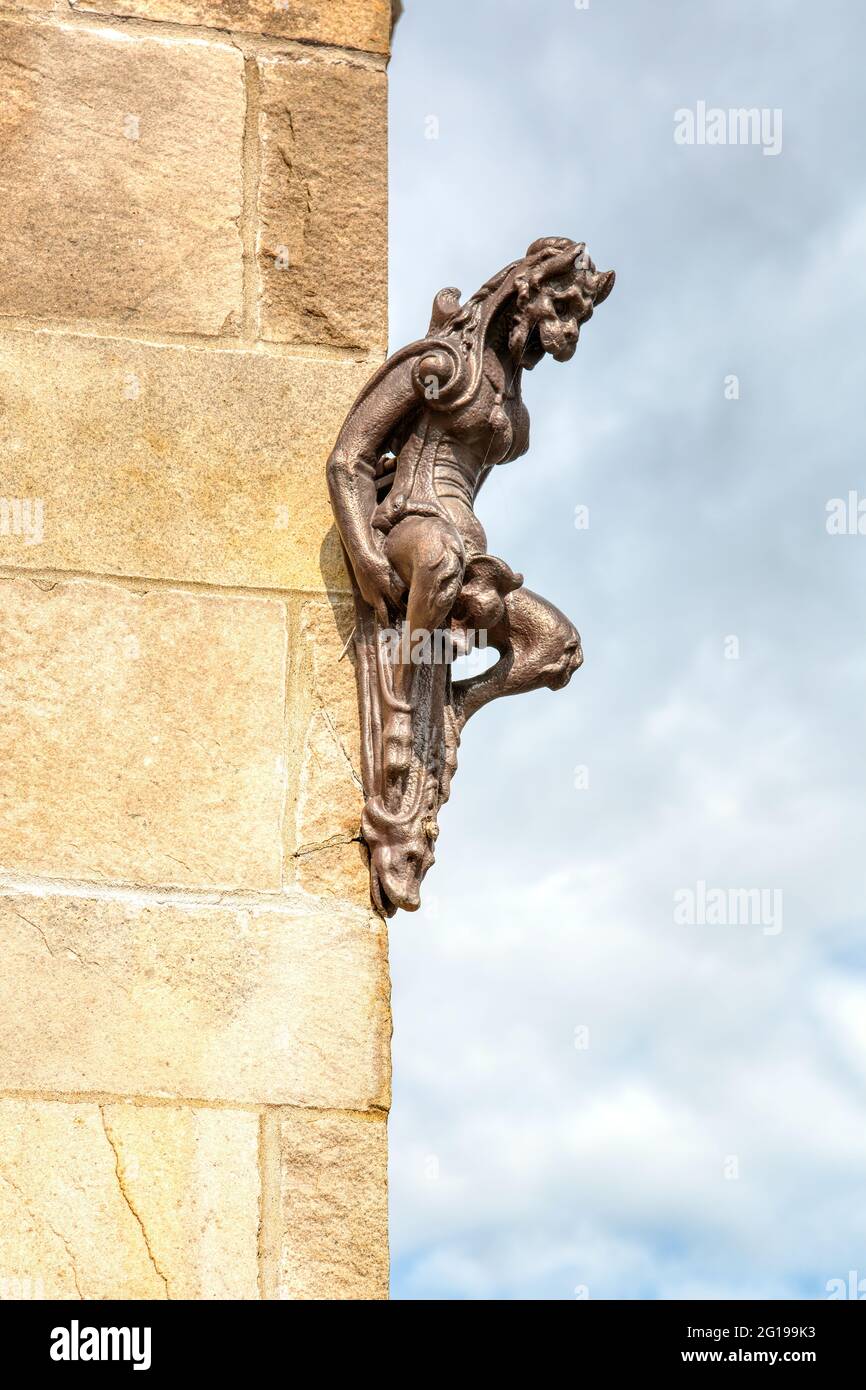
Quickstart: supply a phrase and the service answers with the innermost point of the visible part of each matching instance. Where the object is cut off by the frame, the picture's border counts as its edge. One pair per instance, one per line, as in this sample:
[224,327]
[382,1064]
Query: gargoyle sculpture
[407,466]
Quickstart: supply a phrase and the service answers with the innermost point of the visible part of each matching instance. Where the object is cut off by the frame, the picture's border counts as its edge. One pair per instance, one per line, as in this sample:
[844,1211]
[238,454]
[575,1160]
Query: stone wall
[194,1016]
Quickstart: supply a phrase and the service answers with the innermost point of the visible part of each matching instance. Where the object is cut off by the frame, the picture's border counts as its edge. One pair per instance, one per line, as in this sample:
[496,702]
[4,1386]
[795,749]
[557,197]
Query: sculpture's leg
[539,647]
[428,555]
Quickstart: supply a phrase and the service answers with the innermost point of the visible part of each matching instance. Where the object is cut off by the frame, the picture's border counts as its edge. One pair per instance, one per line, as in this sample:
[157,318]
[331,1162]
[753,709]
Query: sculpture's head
[401,852]
[534,306]
[557,288]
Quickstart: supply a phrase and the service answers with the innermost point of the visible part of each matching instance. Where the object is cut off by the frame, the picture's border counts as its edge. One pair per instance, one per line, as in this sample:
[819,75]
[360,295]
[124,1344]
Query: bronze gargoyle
[415,448]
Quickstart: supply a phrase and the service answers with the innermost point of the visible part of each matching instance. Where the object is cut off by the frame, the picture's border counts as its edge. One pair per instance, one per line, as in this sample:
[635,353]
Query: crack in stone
[339,742]
[128,1200]
[82,960]
[35,927]
[41,1220]
[333,842]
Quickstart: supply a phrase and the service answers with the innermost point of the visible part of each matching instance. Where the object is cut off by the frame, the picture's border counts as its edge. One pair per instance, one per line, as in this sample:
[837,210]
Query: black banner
[223,1339]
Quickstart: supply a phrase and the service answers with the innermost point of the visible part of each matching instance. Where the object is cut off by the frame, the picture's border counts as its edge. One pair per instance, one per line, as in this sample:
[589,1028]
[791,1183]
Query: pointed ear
[606,280]
[493,571]
[446,303]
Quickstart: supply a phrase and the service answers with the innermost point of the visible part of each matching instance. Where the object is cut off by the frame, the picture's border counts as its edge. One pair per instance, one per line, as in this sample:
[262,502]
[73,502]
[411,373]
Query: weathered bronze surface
[415,448]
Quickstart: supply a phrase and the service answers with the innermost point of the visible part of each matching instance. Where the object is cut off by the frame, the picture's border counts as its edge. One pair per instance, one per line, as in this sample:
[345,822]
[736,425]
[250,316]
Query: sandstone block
[142,736]
[334,1206]
[283,1005]
[363,24]
[129,1202]
[322,237]
[121,178]
[174,462]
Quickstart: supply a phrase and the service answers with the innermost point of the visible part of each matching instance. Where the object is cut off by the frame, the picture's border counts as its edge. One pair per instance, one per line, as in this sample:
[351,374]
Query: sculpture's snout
[401,894]
[401,852]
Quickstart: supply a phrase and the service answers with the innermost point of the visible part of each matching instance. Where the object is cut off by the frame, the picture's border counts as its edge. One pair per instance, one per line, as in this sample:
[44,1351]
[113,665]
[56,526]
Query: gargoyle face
[560,670]
[401,852]
[549,314]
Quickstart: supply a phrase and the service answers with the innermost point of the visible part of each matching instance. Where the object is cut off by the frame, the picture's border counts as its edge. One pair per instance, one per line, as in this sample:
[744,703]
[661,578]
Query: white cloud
[523,1166]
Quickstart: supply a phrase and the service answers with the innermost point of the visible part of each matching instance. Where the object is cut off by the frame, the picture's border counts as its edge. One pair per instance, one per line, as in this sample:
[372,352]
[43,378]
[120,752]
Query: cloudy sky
[592,1097]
